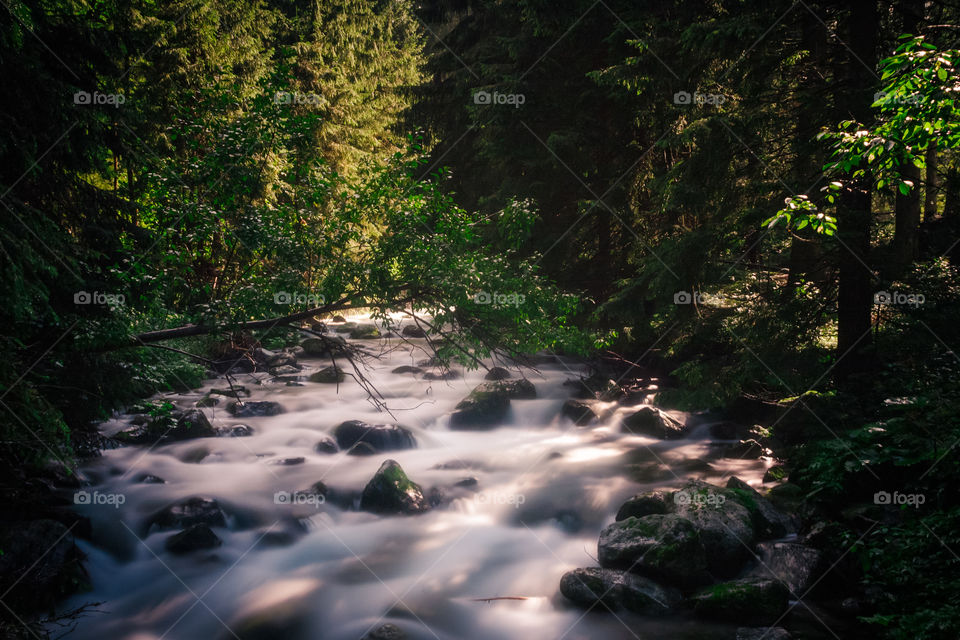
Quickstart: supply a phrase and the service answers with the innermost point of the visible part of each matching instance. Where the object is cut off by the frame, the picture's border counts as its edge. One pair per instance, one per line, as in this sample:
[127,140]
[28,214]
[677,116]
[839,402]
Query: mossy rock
[328,375]
[580,412]
[726,526]
[365,332]
[390,491]
[326,347]
[616,590]
[483,409]
[644,504]
[745,601]
[664,547]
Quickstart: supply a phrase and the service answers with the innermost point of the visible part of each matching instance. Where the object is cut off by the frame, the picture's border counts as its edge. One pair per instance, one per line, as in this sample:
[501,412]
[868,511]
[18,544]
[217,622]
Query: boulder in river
[407,369]
[449,374]
[413,331]
[386,632]
[664,547]
[482,409]
[326,445]
[644,504]
[595,387]
[521,389]
[748,600]
[579,411]
[767,520]
[390,491]
[795,565]
[649,421]
[193,538]
[254,409]
[617,590]
[196,510]
[725,525]
[174,428]
[235,391]
[325,347]
[328,375]
[236,431]
[381,437]
[497,373]
[365,332]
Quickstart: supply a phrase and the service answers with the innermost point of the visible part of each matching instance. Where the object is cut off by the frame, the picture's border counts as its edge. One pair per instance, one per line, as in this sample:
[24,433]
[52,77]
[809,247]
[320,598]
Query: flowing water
[545,488]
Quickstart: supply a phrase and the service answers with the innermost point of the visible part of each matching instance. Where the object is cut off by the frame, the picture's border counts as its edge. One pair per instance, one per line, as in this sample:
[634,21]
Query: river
[544,489]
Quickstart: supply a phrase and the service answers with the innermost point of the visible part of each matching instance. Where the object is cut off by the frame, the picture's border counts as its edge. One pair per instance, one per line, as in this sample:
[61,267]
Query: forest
[480,319]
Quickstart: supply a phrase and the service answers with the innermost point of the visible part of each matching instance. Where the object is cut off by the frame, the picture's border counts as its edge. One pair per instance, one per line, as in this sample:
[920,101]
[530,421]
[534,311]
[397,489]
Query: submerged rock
[407,369]
[254,409]
[196,510]
[381,437]
[390,491]
[748,600]
[326,445]
[328,375]
[617,590]
[665,547]
[449,374]
[580,412]
[193,538]
[386,632]
[236,431]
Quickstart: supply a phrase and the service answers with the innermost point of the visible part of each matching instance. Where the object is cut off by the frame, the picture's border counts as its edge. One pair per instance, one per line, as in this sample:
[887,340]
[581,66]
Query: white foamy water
[545,488]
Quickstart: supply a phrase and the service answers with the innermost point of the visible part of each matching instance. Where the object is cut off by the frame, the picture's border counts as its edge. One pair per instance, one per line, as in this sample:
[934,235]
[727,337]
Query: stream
[543,490]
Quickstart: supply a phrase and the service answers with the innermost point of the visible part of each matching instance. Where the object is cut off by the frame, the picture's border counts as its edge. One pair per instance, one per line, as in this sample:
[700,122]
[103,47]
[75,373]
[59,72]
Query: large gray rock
[644,504]
[390,491]
[616,590]
[664,547]
[484,408]
[380,437]
[793,564]
[328,375]
[497,373]
[745,601]
[725,525]
[648,421]
[767,520]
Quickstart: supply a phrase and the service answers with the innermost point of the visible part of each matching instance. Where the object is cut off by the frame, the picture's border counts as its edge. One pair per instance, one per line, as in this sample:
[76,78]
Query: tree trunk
[855,95]
[907,209]
[906,232]
[805,256]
